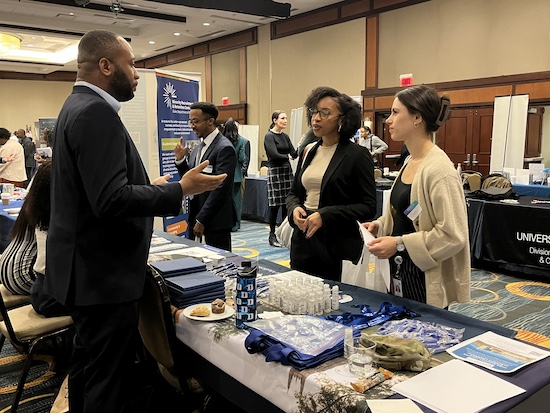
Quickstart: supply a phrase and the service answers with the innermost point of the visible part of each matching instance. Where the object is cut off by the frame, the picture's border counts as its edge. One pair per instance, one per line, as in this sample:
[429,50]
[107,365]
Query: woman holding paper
[424,231]
[333,188]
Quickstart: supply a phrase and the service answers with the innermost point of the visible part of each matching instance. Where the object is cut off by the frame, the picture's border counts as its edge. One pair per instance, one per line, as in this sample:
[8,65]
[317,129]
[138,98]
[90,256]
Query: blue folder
[180,266]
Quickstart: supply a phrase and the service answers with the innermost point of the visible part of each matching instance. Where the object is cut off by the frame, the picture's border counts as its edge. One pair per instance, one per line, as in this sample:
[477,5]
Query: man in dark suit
[29,148]
[211,214]
[101,225]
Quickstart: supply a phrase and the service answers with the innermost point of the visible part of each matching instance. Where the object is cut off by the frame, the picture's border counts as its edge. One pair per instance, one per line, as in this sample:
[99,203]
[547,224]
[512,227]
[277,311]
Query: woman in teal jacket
[231,132]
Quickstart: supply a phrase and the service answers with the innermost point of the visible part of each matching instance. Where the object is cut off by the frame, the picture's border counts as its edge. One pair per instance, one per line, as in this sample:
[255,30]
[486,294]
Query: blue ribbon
[369,317]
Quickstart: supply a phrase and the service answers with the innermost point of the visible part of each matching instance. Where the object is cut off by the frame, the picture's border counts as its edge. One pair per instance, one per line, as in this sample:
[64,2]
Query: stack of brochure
[181,266]
[189,283]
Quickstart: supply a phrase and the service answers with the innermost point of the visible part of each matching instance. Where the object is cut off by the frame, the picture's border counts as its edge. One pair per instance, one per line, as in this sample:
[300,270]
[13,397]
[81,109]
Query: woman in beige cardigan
[424,231]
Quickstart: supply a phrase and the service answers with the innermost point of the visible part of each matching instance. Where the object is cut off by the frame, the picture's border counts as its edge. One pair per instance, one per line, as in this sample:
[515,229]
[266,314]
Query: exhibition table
[510,236]
[6,222]
[256,207]
[532,190]
[218,356]
[255,202]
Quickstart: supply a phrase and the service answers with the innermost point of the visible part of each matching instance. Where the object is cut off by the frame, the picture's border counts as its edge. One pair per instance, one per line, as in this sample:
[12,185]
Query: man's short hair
[97,44]
[4,133]
[206,107]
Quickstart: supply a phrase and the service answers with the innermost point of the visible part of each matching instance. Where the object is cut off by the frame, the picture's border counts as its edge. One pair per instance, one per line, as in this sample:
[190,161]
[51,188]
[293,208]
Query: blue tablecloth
[539,191]
[6,223]
[255,202]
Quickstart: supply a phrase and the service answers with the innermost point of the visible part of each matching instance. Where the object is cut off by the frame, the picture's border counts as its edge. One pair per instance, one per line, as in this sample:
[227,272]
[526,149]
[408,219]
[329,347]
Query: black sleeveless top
[400,200]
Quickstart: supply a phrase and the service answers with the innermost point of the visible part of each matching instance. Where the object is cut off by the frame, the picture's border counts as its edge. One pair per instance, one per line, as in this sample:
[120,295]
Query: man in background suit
[29,148]
[211,214]
[101,225]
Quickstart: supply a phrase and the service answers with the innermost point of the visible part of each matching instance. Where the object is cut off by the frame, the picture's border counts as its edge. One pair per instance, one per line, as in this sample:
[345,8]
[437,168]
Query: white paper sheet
[457,387]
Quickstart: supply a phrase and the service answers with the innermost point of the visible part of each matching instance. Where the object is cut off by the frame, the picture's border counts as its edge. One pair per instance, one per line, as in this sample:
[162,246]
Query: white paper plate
[229,311]
[12,211]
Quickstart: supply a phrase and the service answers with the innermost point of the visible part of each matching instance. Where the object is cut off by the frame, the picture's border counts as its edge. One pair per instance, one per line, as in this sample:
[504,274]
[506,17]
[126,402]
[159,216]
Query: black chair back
[157,330]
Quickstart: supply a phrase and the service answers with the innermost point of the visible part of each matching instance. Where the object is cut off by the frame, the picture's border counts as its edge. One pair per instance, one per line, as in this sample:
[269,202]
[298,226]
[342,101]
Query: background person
[47,136]
[278,148]
[29,149]
[245,166]
[373,143]
[306,139]
[12,168]
[432,239]
[231,132]
[101,225]
[332,190]
[212,213]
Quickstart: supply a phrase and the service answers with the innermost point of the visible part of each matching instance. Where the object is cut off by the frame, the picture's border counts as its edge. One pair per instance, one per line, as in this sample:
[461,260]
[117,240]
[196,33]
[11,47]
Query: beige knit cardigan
[439,246]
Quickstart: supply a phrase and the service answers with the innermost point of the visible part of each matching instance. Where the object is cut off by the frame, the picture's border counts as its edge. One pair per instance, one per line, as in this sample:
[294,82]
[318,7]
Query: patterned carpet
[515,303]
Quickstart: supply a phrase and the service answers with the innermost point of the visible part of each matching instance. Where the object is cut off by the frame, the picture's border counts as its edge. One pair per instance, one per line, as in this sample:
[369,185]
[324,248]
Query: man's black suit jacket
[102,206]
[348,195]
[214,209]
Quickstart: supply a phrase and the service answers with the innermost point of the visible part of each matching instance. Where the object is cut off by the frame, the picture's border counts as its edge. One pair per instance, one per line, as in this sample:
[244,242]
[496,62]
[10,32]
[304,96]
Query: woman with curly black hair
[332,190]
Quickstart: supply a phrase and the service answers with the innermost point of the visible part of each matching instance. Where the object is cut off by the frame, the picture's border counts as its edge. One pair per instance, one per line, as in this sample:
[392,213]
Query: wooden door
[455,136]
[533,138]
[479,159]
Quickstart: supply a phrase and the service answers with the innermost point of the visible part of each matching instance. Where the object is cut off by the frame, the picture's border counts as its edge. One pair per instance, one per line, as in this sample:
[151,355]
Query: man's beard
[121,86]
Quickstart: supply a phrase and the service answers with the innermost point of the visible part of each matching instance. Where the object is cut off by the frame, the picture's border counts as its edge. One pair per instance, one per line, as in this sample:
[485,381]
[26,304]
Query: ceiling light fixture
[8,43]
[206,24]
[116,7]
[177,34]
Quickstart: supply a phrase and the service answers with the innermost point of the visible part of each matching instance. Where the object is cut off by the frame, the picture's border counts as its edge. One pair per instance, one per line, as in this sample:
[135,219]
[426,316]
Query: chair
[471,180]
[158,333]
[377,173]
[12,300]
[26,330]
[263,171]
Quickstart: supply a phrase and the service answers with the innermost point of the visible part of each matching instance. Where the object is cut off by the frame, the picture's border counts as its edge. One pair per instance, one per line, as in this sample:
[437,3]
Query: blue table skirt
[539,191]
[6,223]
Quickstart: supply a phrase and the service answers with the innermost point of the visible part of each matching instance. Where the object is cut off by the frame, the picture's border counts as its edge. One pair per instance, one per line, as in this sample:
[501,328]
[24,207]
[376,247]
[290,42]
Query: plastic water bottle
[245,297]
[459,168]
[335,298]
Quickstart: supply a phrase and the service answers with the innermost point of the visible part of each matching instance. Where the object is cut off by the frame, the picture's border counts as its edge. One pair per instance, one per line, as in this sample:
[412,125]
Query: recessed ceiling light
[177,34]
[151,42]
[30,45]
[71,14]
[206,24]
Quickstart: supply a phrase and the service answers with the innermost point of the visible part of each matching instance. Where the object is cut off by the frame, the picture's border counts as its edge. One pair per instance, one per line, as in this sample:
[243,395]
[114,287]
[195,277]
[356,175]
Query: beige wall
[332,56]
[282,72]
[25,101]
[225,76]
[448,40]
[194,66]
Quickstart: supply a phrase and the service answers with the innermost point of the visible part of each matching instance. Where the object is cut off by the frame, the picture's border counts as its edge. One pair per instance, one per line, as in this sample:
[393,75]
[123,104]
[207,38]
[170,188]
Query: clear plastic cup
[360,355]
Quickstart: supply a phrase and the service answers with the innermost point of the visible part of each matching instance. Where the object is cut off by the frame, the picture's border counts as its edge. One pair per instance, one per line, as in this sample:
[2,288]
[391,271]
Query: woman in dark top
[333,188]
[278,149]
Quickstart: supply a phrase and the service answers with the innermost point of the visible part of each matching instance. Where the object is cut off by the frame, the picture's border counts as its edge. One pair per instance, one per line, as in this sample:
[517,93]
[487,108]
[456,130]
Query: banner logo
[169,93]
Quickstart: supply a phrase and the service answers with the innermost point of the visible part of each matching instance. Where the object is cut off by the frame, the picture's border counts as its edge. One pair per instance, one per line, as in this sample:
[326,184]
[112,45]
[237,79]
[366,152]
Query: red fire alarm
[225,101]
[406,80]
